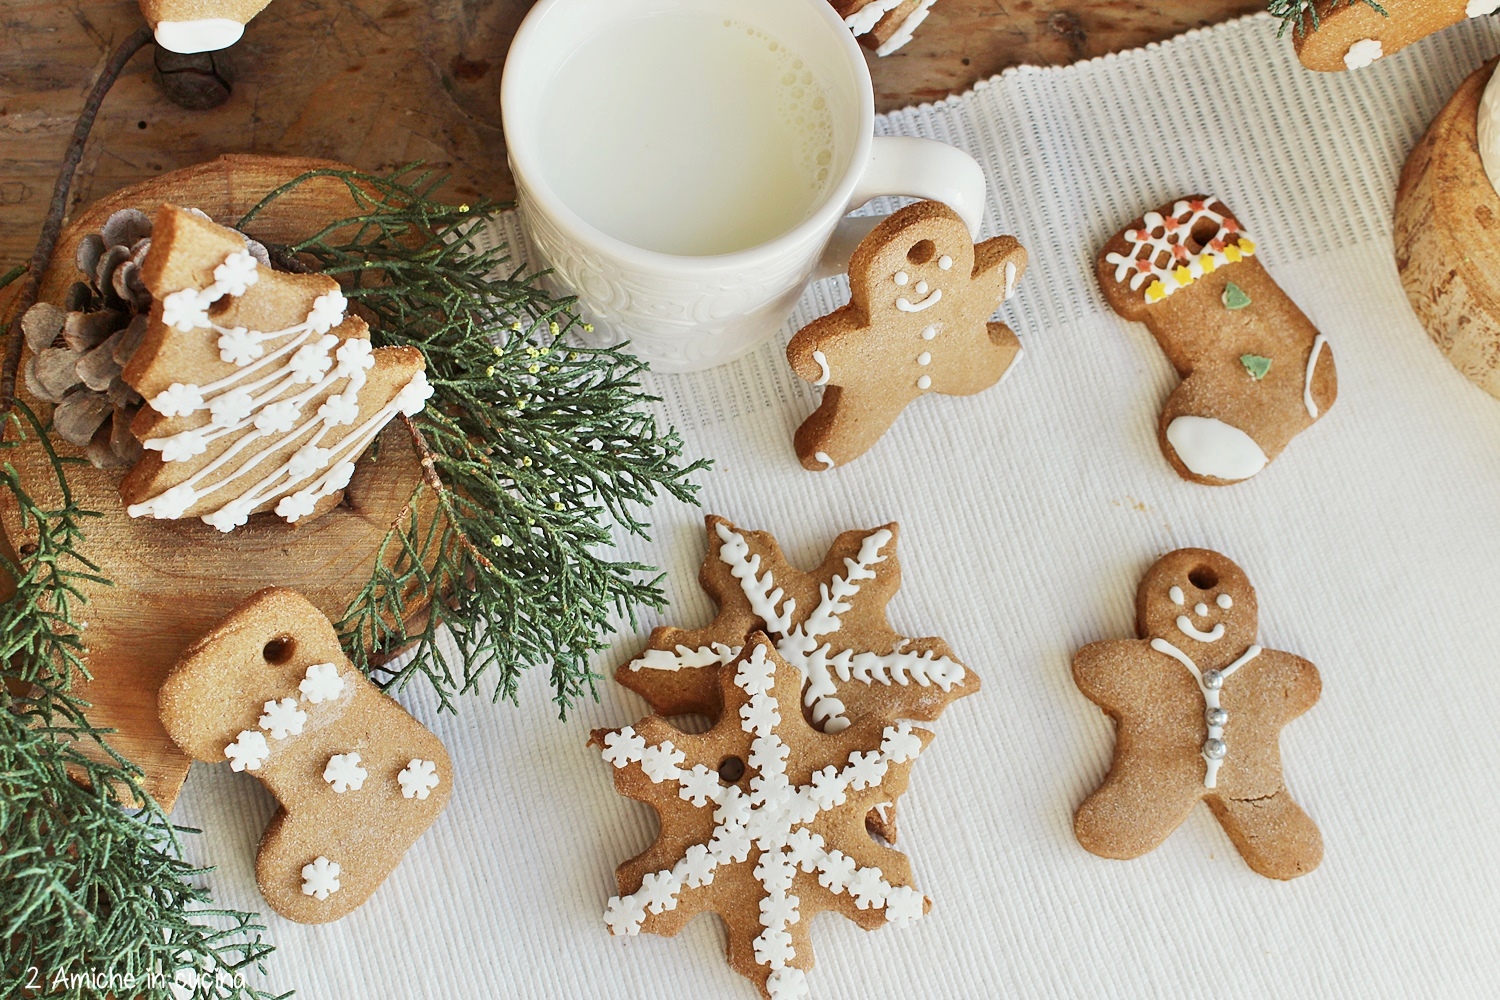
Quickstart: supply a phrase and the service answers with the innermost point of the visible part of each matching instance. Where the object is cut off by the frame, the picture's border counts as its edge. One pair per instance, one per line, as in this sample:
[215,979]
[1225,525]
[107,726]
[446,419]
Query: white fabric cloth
[1028,515]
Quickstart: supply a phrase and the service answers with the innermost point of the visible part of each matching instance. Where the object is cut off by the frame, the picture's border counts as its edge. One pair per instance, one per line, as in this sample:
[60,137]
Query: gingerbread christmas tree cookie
[918,321]
[261,391]
[1198,706]
[762,822]
[1255,371]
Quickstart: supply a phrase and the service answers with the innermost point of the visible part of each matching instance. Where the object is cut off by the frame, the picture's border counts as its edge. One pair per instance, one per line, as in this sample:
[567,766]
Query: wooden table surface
[378,83]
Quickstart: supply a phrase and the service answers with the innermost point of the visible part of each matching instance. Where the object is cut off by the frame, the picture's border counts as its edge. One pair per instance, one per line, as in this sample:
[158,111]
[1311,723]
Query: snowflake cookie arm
[829,350]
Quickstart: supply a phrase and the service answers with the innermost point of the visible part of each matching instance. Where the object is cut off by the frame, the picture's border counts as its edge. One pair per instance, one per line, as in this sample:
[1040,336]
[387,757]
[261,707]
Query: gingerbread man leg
[1274,836]
[1133,811]
[846,425]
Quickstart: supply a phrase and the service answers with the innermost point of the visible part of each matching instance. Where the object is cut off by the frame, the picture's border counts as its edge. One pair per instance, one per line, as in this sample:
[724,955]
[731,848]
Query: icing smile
[1185,626]
[906,305]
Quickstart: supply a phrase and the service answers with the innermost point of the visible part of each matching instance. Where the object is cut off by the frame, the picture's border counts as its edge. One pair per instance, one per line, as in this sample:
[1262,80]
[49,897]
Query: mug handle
[901,165]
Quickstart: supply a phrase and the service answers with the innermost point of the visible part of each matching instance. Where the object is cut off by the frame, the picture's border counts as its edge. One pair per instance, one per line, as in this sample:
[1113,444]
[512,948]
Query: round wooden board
[1448,238]
[173,580]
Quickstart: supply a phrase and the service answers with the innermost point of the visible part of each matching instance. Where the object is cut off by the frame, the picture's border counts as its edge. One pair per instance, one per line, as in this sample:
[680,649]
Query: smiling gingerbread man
[1198,707]
[921,295]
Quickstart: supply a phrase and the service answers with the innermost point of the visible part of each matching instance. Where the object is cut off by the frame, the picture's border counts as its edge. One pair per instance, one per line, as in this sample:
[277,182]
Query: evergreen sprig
[97,899]
[532,449]
[1302,15]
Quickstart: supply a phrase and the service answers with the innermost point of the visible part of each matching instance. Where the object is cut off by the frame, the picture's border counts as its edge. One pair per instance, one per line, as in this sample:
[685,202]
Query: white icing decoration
[248,752]
[826,372]
[1479,8]
[1186,627]
[418,779]
[283,718]
[1176,595]
[905,305]
[864,19]
[262,402]
[921,288]
[207,34]
[1225,601]
[1010,280]
[344,773]
[800,646]
[925,358]
[1210,447]
[1200,609]
[822,456]
[320,879]
[1167,237]
[772,820]
[1210,697]
[929,333]
[903,34]
[1362,53]
[924,383]
[945,262]
[1312,364]
[901,278]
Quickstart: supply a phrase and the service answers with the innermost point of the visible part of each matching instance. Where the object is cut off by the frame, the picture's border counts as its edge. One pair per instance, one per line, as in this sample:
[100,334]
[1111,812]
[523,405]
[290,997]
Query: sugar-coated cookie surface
[1352,34]
[917,321]
[358,779]
[1198,706]
[1255,371]
[763,822]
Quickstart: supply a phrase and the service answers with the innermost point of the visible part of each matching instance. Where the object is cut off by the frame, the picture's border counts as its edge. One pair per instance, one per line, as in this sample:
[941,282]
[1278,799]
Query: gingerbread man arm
[999,264]
[1296,679]
[1102,671]
[819,351]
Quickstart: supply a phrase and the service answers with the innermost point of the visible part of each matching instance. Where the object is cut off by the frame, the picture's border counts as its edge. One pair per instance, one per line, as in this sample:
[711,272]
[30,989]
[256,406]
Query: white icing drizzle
[772,819]
[1210,447]
[1010,280]
[905,304]
[1186,627]
[1167,261]
[1176,595]
[822,456]
[1312,364]
[903,34]
[862,20]
[263,413]
[1211,708]
[801,645]
[827,373]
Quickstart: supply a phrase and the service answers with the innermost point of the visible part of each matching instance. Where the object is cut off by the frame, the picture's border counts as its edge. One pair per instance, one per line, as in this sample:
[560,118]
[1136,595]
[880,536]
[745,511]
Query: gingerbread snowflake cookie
[918,321]
[1351,34]
[359,780]
[1255,371]
[189,26]
[762,822]
[261,390]
[1198,706]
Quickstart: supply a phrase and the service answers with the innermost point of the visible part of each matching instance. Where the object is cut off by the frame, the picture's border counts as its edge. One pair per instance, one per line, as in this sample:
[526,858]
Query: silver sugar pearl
[1215,749]
[1216,717]
[1213,680]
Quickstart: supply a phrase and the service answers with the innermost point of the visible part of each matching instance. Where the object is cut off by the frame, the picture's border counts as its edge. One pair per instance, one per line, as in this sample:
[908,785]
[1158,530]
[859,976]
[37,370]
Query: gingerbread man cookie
[1255,371]
[358,779]
[921,295]
[1351,34]
[1198,707]
[189,26]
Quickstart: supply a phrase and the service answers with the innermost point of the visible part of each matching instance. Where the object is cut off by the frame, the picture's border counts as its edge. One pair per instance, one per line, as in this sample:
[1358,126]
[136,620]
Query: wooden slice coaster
[174,580]
[1448,238]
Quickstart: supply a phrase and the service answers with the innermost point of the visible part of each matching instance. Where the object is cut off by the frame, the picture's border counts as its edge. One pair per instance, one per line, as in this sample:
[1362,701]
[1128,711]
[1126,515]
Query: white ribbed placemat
[1028,514]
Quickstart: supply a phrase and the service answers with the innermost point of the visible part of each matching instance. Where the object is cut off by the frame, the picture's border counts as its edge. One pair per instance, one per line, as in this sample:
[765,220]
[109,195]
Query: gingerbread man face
[921,295]
[1199,601]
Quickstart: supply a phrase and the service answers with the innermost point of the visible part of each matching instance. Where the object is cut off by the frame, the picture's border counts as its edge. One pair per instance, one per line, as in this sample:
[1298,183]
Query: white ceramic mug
[685,313]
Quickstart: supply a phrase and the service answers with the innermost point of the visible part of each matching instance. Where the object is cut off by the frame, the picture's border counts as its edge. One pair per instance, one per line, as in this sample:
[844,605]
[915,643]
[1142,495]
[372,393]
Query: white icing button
[945,262]
[929,333]
[1210,447]
[924,358]
[924,382]
[901,278]
[1225,601]
[921,288]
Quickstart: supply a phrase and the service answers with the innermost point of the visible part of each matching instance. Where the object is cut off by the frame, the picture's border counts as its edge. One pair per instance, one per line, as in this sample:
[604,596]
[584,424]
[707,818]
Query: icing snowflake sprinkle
[344,773]
[320,879]
[418,779]
[283,718]
[248,752]
[321,683]
[788,834]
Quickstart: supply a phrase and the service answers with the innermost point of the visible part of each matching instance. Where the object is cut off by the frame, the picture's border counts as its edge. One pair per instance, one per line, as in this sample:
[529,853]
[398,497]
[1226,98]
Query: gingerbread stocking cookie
[358,778]
[1351,34]
[921,295]
[1198,708]
[1255,371]
[199,25]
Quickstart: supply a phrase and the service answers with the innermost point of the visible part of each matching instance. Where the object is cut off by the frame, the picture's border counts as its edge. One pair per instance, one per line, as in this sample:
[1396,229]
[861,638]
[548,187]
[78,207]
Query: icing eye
[945,262]
[1200,610]
[1225,601]
[1175,594]
[901,278]
[921,288]
[921,252]
[1203,577]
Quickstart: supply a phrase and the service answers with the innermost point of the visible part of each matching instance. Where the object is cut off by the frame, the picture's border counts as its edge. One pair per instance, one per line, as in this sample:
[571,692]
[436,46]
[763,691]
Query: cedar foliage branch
[1303,15]
[92,870]
[532,449]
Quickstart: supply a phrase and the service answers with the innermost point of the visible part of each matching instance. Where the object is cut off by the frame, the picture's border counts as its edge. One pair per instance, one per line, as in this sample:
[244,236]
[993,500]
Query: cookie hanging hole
[279,650]
[1202,234]
[921,252]
[1204,578]
[731,769]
